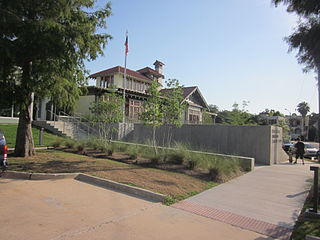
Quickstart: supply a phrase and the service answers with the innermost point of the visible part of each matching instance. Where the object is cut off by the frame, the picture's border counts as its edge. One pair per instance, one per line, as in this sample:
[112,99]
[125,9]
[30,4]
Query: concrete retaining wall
[264,143]
[8,120]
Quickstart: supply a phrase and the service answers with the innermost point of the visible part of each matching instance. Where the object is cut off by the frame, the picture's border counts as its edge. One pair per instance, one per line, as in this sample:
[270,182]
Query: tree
[43,46]
[236,116]
[303,108]
[107,110]
[271,112]
[304,8]
[172,106]
[306,38]
[153,114]
[313,125]
[213,108]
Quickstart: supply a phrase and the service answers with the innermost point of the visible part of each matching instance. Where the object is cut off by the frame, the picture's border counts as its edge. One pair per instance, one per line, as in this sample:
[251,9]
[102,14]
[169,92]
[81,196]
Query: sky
[233,50]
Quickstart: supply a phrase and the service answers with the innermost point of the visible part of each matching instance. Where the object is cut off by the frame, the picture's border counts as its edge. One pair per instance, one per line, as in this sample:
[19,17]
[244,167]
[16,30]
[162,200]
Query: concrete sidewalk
[71,210]
[267,200]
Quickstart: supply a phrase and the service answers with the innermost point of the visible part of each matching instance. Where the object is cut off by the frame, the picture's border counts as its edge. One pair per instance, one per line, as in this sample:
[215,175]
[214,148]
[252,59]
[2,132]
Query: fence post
[41,136]
[315,188]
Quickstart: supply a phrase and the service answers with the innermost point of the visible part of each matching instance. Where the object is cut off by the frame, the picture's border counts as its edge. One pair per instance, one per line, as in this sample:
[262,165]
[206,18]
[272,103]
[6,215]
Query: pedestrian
[299,147]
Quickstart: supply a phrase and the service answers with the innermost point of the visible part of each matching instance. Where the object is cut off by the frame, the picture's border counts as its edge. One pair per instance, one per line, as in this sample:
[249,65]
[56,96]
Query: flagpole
[125,79]
[124,88]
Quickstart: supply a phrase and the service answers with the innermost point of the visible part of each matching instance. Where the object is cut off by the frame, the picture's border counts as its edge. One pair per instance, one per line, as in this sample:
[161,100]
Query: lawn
[174,184]
[10,132]
[306,226]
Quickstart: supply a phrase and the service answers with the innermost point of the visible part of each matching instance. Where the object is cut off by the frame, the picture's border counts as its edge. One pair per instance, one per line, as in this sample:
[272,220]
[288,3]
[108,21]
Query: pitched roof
[149,70]
[186,92]
[119,69]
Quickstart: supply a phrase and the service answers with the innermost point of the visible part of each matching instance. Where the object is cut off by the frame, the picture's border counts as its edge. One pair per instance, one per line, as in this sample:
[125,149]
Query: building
[299,126]
[137,83]
[195,104]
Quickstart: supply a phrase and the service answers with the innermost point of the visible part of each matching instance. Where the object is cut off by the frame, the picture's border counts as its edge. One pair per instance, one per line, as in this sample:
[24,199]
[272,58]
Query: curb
[36,176]
[100,182]
[35,148]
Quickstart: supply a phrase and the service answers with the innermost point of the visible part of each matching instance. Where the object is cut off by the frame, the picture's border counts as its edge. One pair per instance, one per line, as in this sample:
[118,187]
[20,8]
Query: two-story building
[136,85]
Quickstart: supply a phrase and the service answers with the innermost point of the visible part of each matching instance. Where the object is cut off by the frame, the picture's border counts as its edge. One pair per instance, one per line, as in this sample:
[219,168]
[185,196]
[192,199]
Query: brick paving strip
[251,224]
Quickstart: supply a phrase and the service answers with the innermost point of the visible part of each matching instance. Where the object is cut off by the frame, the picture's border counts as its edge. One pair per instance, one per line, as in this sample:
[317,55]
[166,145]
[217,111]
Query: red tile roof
[119,69]
[150,70]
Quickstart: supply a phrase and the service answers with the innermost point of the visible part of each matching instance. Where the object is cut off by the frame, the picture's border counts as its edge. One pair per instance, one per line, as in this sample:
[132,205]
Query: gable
[196,98]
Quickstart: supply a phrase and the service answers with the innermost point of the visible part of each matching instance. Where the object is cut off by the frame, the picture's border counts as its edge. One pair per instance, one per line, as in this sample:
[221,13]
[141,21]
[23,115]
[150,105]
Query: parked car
[3,152]
[311,149]
[287,147]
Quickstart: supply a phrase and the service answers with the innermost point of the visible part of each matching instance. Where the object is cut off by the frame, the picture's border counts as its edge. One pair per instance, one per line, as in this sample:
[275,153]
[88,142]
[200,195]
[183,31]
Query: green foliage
[213,108]
[10,131]
[43,47]
[56,144]
[153,114]
[192,164]
[105,111]
[180,154]
[306,38]
[303,8]
[303,108]
[70,143]
[271,112]
[133,151]
[173,106]
[169,200]
[81,145]
[207,118]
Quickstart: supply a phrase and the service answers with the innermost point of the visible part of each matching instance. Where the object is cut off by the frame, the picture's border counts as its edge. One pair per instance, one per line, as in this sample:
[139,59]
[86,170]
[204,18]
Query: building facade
[135,87]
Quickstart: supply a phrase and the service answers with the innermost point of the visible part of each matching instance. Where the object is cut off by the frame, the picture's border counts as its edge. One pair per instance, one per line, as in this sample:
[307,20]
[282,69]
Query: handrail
[78,119]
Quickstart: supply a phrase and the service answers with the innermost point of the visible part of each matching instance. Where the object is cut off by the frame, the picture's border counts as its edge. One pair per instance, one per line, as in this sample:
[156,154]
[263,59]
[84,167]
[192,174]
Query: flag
[126,44]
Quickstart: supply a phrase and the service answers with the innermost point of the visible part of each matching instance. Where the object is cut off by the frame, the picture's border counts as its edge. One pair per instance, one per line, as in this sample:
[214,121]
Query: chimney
[158,67]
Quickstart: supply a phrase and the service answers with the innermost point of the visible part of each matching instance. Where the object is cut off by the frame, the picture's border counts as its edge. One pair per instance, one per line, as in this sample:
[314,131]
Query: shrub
[121,147]
[70,143]
[109,151]
[132,151]
[56,143]
[155,159]
[80,147]
[180,155]
[133,155]
[215,174]
[192,164]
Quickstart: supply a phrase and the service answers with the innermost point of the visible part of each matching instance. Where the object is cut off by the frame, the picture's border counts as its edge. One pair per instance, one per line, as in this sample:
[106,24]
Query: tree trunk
[154,139]
[24,140]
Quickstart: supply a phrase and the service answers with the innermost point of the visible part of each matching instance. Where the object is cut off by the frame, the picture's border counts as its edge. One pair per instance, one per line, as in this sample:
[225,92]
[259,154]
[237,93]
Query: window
[194,116]
[135,109]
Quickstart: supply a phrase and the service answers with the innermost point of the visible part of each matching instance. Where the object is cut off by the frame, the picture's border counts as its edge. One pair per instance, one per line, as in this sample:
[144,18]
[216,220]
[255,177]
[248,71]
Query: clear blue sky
[232,50]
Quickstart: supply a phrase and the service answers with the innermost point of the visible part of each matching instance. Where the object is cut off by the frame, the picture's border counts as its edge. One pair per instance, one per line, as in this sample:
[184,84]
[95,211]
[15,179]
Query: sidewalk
[67,209]
[267,200]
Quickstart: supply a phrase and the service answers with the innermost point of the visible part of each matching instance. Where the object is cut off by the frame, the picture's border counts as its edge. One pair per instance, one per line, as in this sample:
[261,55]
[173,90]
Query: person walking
[299,147]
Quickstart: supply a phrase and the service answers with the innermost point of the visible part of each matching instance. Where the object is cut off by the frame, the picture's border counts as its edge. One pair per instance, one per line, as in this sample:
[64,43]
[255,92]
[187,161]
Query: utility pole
[318,66]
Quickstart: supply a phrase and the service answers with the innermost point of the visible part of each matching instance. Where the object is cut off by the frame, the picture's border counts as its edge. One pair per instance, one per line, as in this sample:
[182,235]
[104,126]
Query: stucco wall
[83,104]
[258,142]
[118,80]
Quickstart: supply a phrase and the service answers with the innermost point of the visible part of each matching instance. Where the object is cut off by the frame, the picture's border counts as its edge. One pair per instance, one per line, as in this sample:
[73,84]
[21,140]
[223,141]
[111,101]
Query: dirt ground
[166,182]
